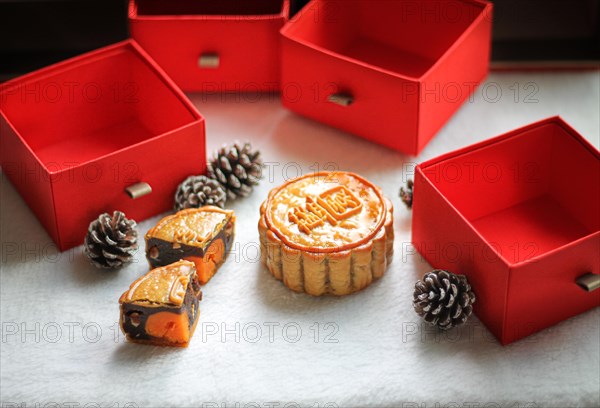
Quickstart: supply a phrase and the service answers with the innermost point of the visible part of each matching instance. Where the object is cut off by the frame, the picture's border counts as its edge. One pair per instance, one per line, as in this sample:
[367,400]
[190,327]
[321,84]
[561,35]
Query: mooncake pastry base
[328,273]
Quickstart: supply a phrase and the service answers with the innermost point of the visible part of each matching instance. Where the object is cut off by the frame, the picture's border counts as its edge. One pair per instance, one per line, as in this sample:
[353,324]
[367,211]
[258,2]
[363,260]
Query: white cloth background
[381,356]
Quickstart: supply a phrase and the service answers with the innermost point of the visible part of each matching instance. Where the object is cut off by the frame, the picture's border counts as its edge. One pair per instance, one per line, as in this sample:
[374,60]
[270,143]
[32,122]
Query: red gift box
[391,71]
[213,46]
[82,136]
[520,216]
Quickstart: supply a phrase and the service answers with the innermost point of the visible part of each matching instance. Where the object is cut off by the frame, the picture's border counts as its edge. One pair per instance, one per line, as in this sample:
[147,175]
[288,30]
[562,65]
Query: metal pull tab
[138,190]
[342,99]
[589,281]
[209,60]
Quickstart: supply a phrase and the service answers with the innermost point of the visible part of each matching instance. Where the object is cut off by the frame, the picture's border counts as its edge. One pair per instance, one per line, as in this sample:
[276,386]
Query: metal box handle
[138,190]
[210,60]
[589,282]
[342,99]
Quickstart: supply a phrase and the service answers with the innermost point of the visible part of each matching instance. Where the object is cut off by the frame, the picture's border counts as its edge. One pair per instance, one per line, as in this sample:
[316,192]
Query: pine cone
[111,241]
[443,299]
[406,195]
[198,191]
[237,168]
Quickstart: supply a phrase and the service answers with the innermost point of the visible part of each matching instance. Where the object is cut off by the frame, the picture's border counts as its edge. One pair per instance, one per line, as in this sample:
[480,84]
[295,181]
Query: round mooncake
[326,233]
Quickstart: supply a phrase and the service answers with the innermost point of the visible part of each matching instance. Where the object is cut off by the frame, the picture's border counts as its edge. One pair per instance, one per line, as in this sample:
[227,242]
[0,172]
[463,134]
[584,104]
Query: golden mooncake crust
[166,285]
[191,227]
[325,212]
[354,260]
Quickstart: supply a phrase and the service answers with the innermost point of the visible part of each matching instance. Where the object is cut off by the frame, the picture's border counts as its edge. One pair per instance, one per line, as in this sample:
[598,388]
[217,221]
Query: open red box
[77,134]
[213,46]
[520,216]
[391,71]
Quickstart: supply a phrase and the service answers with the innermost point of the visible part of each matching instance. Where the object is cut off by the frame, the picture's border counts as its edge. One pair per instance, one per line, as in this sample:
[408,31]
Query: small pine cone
[443,299]
[111,241]
[198,191]
[237,168]
[406,195]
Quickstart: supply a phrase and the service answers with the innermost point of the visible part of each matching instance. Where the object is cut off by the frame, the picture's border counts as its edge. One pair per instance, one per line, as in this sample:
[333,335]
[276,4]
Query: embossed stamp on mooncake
[327,233]
[187,236]
[333,205]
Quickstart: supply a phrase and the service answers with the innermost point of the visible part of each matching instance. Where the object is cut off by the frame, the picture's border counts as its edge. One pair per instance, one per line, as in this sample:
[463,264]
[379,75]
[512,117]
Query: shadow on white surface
[131,353]
[20,230]
[309,141]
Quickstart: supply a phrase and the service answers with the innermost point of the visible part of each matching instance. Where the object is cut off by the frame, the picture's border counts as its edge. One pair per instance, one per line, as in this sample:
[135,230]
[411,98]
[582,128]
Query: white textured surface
[382,357]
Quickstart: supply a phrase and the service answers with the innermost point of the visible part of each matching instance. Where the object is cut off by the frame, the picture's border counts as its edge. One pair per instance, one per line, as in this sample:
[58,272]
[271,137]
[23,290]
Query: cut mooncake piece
[327,233]
[162,307]
[201,235]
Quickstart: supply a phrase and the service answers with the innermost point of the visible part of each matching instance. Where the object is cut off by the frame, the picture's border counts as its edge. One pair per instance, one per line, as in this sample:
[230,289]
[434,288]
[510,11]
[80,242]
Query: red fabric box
[213,46]
[391,71]
[76,134]
[520,216]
